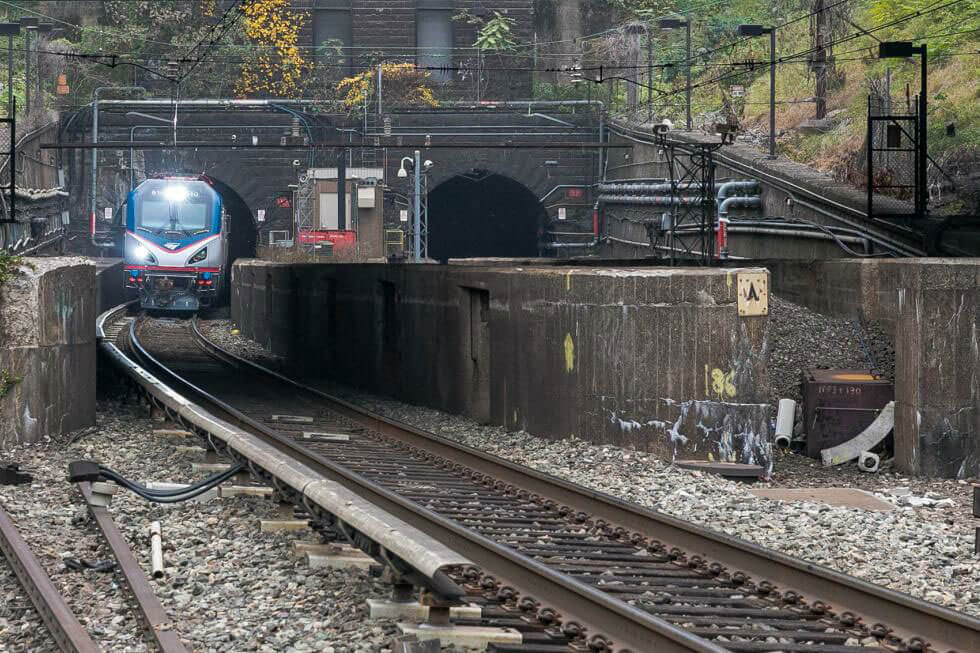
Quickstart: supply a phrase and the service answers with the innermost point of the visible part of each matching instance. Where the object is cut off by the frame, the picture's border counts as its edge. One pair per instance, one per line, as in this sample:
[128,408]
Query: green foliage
[494,35]
[9,265]
[7,382]
[8,268]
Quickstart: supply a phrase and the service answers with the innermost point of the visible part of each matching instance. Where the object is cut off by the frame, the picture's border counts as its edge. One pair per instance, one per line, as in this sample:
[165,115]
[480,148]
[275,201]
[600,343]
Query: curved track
[570,566]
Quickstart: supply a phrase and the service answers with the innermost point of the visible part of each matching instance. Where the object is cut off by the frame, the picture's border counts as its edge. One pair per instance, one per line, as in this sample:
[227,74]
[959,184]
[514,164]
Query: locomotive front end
[175,245]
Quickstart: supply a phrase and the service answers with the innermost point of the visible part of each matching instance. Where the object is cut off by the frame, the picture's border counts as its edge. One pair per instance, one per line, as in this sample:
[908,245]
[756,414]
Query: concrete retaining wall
[47,339]
[652,358]
[931,308]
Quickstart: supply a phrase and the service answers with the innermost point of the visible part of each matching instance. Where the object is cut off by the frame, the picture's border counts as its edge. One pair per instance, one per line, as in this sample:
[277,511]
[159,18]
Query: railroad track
[572,568]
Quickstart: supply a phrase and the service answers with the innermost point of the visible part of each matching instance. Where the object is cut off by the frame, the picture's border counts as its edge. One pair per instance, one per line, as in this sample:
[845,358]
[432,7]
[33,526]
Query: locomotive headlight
[175,193]
[141,253]
[199,256]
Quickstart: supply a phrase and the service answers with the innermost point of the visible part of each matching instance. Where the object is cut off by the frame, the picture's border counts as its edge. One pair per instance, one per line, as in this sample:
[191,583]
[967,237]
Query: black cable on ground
[90,471]
[172,496]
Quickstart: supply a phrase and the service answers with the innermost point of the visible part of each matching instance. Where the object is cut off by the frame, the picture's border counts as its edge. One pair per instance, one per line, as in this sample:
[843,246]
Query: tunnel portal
[241,226]
[483,214]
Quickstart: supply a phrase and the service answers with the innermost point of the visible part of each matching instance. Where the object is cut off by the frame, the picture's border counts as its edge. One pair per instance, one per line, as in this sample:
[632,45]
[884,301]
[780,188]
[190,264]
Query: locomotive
[176,242]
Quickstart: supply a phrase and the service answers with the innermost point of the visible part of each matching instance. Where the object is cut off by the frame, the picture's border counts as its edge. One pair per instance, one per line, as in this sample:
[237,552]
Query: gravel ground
[802,339]
[925,550]
[228,586]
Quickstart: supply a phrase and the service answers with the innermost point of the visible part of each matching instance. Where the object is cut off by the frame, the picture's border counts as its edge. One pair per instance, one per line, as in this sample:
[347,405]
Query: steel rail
[908,617]
[631,628]
[400,544]
[65,629]
[155,617]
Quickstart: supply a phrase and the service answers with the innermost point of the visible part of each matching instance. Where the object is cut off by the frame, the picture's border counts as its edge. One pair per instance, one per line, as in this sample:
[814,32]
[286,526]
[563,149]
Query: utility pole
[418,207]
[29,25]
[10,30]
[820,58]
[759,30]
[341,189]
[688,70]
[674,23]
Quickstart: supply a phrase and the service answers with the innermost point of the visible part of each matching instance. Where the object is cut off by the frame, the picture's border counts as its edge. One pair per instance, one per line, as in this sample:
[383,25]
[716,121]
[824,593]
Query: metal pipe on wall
[95,139]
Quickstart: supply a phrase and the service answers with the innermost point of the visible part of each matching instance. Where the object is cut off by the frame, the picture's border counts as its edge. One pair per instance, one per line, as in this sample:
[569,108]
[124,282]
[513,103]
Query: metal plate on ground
[292,419]
[845,497]
[732,471]
[317,436]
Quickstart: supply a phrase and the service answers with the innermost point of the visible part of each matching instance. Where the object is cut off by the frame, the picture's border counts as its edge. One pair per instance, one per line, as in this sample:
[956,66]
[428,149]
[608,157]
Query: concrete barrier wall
[47,339]
[658,359]
[110,283]
[930,306]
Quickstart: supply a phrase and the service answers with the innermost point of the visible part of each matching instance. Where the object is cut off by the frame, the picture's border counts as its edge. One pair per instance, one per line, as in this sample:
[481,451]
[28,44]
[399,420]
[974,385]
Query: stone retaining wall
[654,358]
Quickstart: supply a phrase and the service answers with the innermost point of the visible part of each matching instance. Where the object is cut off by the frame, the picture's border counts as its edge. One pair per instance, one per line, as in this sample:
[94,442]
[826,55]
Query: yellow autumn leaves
[403,84]
[278,67]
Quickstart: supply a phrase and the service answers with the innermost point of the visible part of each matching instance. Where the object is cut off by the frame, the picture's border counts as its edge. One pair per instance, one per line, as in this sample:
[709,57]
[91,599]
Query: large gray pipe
[657,200]
[726,189]
[737,203]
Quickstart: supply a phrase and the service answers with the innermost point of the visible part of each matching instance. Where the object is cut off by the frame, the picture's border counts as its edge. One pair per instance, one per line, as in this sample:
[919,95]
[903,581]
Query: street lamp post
[759,30]
[416,165]
[904,50]
[673,23]
[10,30]
[420,221]
[29,24]
[42,28]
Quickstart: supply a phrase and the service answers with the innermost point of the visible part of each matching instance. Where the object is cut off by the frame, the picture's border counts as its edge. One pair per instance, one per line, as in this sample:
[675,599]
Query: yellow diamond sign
[753,293]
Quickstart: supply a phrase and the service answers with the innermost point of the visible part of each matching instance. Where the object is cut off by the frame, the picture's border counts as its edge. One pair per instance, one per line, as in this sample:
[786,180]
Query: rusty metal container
[839,404]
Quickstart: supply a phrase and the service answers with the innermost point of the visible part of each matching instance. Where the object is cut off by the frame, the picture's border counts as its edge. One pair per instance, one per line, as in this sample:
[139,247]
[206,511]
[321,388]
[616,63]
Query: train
[176,243]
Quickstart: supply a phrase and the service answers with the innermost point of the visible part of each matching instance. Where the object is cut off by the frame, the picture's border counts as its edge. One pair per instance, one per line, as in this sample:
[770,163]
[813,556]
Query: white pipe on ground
[784,423]
[156,550]
[869,462]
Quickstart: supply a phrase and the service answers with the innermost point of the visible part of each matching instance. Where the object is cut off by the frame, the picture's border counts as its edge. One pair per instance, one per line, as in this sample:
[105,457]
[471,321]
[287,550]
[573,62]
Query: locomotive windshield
[175,206]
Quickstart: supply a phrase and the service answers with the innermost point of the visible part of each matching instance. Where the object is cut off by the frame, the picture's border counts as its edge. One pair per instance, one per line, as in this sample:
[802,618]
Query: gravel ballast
[924,550]
[227,586]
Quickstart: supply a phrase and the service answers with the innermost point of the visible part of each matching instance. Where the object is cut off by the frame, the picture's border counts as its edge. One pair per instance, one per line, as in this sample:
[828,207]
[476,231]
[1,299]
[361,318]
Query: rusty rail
[155,618]
[65,629]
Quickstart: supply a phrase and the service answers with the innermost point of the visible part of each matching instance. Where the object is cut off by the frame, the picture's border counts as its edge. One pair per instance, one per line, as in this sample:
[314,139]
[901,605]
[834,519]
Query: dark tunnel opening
[482,215]
[241,228]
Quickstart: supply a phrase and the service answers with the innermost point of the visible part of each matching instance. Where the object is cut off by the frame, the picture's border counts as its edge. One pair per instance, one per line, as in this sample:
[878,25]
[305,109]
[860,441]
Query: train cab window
[184,208]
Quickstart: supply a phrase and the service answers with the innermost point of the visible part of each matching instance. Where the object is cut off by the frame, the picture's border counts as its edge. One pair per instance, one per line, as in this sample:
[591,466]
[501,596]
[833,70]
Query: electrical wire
[176,495]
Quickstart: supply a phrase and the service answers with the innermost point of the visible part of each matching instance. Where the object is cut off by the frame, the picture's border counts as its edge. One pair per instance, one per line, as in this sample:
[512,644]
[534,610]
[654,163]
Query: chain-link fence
[893,158]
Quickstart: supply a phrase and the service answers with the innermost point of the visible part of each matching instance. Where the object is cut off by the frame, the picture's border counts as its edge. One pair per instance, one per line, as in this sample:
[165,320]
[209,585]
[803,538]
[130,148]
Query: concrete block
[478,637]
[228,491]
[189,449]
[209,468]
[283,525]
[47,340]
[345,558]
[171,433]
[416,612]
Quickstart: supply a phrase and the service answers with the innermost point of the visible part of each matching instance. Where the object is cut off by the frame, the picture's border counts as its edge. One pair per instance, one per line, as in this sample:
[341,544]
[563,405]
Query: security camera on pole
[420,235]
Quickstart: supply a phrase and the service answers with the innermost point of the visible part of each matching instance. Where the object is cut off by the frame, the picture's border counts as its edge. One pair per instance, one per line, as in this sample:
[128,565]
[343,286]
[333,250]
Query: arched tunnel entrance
[241,228]
[483,214]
